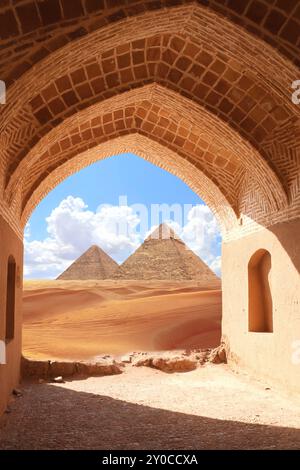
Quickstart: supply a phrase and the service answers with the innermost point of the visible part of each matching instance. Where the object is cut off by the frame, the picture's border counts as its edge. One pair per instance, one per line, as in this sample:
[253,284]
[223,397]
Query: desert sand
[85,319]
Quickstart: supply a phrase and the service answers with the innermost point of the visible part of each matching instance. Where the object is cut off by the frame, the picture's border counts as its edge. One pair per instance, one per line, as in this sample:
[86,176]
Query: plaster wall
[10,244]
[272,356]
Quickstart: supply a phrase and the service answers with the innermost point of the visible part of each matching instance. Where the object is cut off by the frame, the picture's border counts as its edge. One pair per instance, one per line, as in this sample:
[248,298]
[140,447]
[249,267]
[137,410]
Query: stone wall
[10,245]
[202,89]
[267,355]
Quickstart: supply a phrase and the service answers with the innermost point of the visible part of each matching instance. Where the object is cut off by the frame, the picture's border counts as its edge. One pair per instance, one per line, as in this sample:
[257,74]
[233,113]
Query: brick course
[31,30]
[201,89]
[204,89]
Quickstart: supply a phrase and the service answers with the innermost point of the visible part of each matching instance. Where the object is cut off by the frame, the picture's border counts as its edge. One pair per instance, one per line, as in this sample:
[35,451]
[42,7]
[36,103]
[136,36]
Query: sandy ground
[209,408]
[84,319]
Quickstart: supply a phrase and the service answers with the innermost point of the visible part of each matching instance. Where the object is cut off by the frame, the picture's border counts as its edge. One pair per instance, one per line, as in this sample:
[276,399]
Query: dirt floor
[209,408]
[84,319]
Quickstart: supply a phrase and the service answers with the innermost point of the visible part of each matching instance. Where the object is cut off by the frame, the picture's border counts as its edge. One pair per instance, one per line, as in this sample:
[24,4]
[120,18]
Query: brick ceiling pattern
[187,131]
[185,78]
[31,30]
[175,62]
[151,151]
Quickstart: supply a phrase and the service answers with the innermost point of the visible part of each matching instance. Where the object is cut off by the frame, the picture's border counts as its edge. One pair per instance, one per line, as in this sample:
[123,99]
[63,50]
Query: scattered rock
[58,380]
[17,392]
[100,368]
[218,355]
[47,369]
[8,410]
[181,361]
[34,368]
[203,356]
[174,364]
[65,369]
[127,358]
[41,381]
[222,354]
[143,361]
[168,363]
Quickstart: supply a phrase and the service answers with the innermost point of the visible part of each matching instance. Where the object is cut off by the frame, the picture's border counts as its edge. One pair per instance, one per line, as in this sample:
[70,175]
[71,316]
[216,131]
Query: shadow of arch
[288,236]
[81,420]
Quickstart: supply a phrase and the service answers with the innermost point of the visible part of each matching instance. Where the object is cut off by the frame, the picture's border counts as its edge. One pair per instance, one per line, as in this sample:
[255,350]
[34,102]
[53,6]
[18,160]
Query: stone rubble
[166,361]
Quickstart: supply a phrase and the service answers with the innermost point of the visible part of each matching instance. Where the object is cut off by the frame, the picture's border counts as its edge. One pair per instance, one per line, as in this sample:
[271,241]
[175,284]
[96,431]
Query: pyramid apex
[164,224]
[93,247]
[163,232]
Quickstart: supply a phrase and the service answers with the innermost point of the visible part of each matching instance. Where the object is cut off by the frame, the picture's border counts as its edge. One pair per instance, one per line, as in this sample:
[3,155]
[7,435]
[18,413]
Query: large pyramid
[92,264]
[164,256]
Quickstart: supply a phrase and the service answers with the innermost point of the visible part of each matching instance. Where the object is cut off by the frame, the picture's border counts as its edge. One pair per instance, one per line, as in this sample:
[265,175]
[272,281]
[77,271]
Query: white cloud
[215,265]
[202,235]
[72,228]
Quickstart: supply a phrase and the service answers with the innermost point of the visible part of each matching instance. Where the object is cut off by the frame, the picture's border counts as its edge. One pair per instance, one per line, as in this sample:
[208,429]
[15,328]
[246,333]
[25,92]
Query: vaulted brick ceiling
[150,111]
[148,149]
[208,89]
[30,30]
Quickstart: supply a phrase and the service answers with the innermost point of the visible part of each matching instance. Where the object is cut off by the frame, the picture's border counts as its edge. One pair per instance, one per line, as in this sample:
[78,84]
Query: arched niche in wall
[260,308]
[10,299]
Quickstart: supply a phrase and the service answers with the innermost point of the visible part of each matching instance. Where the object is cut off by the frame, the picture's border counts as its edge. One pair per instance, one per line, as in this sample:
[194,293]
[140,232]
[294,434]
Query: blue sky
[69,218]
[106,180]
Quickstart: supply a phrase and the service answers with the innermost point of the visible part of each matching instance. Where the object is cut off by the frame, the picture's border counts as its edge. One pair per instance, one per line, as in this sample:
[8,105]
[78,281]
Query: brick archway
[51,26]
[204,85]
[251,96]
[210,146]
[155,153]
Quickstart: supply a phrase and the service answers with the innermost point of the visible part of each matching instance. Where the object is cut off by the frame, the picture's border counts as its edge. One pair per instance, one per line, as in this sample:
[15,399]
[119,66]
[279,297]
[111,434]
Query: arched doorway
[190,82]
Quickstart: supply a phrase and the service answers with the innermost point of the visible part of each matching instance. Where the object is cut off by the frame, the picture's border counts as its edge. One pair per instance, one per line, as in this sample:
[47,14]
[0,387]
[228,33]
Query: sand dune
[84,319]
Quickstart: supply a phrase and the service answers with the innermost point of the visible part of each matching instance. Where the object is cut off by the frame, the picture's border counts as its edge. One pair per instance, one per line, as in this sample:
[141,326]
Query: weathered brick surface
[31,30]
[156,154]
[202,89]
[205,91]
[187,130]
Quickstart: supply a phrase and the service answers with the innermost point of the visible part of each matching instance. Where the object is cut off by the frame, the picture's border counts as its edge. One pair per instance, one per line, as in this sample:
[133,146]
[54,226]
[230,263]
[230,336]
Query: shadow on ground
[53,417]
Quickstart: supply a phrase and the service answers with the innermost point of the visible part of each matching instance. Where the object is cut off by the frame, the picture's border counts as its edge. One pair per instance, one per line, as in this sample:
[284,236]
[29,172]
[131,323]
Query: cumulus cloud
[72,228]
[202,235]
[215,265]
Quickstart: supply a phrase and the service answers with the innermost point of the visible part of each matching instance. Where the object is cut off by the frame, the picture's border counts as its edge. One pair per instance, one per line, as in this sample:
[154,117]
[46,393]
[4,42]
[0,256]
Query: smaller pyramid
[92,264]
